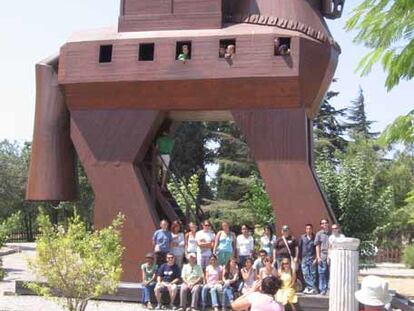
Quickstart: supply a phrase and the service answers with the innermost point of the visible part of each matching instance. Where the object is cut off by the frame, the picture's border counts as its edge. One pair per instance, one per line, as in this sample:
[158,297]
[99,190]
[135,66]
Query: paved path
[389,270]
[17,269]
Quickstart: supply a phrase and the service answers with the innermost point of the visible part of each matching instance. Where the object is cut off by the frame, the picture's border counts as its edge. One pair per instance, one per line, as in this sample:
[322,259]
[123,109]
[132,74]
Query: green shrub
[408,256]
[81,265]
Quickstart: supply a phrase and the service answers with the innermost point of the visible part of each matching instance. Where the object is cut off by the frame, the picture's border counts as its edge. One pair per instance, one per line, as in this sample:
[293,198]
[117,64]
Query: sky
[33,30]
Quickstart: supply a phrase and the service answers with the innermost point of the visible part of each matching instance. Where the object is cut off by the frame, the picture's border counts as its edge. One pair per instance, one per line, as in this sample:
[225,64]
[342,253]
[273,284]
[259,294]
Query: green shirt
[165,144]
[191,274]
[149,271]
[182,57]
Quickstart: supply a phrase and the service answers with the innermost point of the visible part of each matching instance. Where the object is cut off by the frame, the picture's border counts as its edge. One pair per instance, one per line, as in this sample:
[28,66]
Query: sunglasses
[170,258]
[206,225]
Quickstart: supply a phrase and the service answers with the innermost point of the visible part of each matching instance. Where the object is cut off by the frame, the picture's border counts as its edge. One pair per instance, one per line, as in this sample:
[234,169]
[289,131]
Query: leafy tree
[9,225]
[358,122]
[400,131]
[186,194]
[326,169]
[190,154]
[257,200]
[14,164]
[80,264]
[386,28]
[360,202]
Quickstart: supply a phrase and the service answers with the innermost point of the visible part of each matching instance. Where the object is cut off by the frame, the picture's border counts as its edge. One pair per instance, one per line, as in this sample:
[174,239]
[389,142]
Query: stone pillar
[344,274]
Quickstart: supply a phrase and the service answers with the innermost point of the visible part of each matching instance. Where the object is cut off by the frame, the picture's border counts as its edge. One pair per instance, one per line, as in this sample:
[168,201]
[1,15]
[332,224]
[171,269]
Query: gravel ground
[33,303]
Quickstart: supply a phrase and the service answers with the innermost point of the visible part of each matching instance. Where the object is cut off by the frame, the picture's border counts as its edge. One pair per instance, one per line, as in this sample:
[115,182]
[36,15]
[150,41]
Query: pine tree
[358,124]
[233,179]
[328,129]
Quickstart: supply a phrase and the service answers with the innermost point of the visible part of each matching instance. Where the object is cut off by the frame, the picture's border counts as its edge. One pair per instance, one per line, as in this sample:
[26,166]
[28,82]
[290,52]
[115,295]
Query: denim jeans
[148,290]
[323,270]
[228,296]
[309,273]
[213,289]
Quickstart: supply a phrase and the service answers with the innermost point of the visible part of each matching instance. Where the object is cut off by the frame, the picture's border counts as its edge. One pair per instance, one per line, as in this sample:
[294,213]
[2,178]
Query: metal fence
[22,236]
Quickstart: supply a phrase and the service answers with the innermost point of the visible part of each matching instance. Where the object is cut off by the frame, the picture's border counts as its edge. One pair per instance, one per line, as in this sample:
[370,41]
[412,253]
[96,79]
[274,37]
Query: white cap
[191,255]
[373,292]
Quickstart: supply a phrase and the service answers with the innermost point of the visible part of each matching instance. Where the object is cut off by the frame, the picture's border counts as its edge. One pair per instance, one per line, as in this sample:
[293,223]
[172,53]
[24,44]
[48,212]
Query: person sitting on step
[168,277]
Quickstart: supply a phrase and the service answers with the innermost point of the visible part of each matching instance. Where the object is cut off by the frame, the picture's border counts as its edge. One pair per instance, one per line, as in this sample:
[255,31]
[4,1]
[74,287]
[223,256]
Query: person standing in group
[286,247]
[268,240]
[249,275]
[245,245]
[149,279]
[190,240]
[261,298]
[205,243]
[192,277]
[287,294]
[307,255]
[259,262]
[161,242]
[335,234]
[322,249]
[168,277]
[213,277]
[268,269]
[177,244]
[230,282]
[225,244]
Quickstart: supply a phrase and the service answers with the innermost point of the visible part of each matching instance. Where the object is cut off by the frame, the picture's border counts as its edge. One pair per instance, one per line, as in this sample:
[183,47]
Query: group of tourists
[221,266]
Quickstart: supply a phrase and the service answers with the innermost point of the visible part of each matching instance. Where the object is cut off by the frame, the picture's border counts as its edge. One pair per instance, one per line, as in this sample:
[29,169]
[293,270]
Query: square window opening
[282,46]
[227,48]
[183,51]
[146,52]
[105,53]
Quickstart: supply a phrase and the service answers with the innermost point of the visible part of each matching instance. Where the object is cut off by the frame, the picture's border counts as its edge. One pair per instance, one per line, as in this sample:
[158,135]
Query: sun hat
[373,292]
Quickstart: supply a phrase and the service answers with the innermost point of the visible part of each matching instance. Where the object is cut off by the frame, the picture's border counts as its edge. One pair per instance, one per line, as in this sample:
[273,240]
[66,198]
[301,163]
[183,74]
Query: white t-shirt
[204,237]
[332,238]
[267,245]
[178,238]
[192,243]
[245,245]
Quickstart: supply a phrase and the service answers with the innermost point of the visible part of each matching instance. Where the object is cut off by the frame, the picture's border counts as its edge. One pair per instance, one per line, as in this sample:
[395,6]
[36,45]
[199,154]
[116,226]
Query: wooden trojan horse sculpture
[266,64]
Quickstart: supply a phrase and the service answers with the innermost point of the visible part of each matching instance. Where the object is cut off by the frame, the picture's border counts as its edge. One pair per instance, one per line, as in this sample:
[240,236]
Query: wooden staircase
[163,200]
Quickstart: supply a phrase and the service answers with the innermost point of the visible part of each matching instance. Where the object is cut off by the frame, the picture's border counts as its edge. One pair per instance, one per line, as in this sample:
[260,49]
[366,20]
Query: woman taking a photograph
[261,298]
